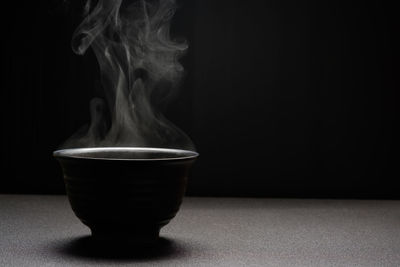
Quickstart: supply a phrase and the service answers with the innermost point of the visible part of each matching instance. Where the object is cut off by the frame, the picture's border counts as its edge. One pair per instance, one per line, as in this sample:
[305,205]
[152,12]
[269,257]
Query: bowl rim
[73,153]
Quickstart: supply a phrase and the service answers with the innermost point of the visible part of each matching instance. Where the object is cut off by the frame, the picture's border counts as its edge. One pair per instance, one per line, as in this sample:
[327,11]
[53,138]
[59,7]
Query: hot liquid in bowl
[125,193]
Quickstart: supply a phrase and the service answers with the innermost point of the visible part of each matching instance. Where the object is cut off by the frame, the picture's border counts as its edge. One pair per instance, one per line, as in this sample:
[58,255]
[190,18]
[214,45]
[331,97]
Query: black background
[282,98]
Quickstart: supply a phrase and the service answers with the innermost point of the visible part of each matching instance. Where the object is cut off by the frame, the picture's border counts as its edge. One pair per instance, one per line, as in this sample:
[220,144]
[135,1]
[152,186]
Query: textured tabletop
[43,231]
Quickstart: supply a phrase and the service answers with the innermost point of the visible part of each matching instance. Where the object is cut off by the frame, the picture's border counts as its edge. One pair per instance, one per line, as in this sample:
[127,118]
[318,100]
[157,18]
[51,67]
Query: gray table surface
[43,231]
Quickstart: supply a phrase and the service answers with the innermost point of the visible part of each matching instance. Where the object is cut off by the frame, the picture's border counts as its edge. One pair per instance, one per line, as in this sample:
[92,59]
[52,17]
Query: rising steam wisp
[139,69]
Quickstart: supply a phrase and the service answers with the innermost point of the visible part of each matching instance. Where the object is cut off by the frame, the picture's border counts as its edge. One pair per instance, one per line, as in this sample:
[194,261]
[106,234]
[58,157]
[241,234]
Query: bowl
[125,193]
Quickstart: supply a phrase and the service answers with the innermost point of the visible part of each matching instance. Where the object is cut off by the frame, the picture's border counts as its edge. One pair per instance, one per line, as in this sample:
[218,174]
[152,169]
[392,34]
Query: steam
[139,69]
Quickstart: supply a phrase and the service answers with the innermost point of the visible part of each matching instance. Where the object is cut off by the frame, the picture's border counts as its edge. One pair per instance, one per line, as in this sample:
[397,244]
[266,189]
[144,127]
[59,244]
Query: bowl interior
[126,153]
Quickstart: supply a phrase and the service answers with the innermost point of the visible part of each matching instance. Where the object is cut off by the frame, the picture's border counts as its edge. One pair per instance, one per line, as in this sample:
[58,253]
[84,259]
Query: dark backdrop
[282,98]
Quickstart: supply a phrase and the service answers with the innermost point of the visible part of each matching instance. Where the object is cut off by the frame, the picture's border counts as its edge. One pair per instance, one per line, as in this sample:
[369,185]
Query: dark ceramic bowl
[125,193]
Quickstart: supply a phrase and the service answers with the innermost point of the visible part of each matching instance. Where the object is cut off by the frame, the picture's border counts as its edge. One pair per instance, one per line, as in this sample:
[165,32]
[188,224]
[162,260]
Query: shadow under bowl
[124,193]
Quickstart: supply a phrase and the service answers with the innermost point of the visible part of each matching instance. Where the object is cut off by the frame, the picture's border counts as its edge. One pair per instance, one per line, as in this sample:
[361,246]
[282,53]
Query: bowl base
[136,235]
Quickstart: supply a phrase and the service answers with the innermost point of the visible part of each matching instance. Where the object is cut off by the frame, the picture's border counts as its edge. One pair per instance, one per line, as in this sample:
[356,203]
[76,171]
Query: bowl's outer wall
[125,194]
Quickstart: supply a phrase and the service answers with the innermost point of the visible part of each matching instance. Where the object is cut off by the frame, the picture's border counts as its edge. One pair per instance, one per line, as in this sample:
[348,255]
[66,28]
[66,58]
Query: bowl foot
[135,235]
